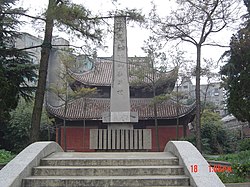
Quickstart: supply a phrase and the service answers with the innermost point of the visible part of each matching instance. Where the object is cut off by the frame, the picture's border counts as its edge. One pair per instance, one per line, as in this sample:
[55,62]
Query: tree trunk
[39,96]
[155,120]
[197,98]
[64,124]
[205,97]
[156,127]
[64,118]
[84,123]
[59,135]
[177,112]
[155,108]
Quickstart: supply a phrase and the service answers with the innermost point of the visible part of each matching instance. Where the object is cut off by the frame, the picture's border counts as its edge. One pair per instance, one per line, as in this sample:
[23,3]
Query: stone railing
[195,165]
[21,166]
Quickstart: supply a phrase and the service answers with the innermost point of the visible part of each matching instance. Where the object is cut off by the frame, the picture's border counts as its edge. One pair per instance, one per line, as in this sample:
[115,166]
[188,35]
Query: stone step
[107,170]
[110,159]
[127,169]
[111,181]
[105,162]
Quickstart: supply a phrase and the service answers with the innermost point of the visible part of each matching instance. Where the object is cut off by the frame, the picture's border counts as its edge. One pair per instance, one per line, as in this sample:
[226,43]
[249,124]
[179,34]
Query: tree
[72,18]
[63,91]
[16,69]
[16,136]
[236,73]
[151,76]
[214,137]
[177,60]
[211,77]
[247,4]
[17,73]
[194,21]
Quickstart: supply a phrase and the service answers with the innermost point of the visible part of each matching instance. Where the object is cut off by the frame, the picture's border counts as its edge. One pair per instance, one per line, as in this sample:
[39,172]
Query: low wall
[195,165]
[21,166]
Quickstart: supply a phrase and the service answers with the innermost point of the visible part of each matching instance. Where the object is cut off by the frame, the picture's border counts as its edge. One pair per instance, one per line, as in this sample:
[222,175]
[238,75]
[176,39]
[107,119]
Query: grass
[5,156]
[226,177]
[245,155]
[240,163]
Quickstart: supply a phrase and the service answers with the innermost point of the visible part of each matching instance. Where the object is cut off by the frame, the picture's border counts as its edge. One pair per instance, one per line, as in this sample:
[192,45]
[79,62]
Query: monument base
[120,127]
[120,118]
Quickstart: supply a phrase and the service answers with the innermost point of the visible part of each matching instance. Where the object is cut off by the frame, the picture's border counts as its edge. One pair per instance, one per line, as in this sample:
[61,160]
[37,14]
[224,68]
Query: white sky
[136,35]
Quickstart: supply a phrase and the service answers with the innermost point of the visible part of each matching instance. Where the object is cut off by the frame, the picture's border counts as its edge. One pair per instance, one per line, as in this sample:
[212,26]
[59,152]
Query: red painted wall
[75,139]
[76,142]
[165,134]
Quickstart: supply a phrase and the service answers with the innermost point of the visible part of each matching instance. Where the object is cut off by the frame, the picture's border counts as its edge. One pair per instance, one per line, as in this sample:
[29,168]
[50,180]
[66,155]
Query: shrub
[18,128]
[240,165]
[215,138]
[226,177]
[5,156]
[244,145]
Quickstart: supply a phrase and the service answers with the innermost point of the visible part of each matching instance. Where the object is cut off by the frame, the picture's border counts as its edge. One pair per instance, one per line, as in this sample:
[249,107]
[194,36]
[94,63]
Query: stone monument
[120,134]
[120,116]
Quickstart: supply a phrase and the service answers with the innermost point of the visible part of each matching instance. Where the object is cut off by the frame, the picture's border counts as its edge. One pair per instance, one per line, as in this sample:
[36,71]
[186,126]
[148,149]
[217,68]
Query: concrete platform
[111,155]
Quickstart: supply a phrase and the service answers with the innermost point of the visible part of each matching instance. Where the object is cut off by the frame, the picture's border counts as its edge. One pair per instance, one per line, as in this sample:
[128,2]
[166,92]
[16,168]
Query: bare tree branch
[26,15]
[194,21]
[214,44]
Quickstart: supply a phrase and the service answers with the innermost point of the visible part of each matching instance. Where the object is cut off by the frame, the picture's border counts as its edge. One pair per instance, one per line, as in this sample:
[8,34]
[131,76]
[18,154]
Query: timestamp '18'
[194,168]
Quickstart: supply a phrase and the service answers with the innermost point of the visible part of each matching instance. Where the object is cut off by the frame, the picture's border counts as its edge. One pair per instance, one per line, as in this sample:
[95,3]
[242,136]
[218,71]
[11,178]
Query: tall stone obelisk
[120,116]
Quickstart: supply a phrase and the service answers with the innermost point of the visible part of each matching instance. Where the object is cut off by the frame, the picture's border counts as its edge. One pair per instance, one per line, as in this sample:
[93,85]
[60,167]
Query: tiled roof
[96,106]
[101,74]
[98,76]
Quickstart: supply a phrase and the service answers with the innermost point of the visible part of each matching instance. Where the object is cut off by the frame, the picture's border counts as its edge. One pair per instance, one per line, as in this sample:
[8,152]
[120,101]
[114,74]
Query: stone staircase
[127,169]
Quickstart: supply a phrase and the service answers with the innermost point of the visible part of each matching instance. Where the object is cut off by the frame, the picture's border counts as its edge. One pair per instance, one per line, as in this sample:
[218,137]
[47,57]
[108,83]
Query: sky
[135,34]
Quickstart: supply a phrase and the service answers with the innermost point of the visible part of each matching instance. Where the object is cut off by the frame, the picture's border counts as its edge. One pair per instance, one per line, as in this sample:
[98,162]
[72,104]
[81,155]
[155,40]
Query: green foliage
[215,139]
[212,134]
[206,105]
[236,76]
[160,98]
[227,177]
[76,19]
[235,157]
[209,117]
[131,14]
[240,166]
[219,139]
[5,156]
[18,128]
[244,145]
[16,68]
[190,138]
